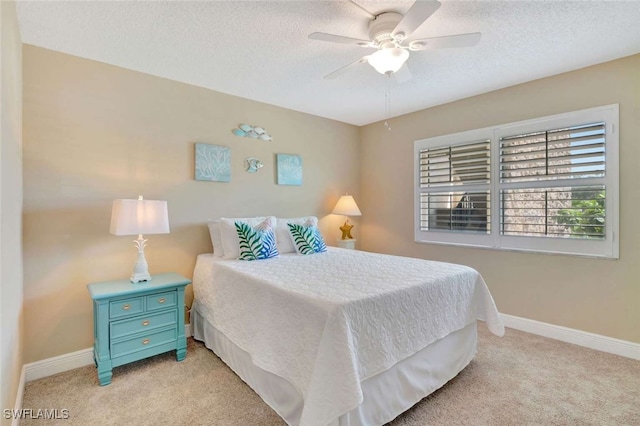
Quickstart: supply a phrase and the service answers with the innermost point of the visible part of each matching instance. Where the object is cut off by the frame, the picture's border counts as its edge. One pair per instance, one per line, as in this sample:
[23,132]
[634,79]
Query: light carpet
[519,379]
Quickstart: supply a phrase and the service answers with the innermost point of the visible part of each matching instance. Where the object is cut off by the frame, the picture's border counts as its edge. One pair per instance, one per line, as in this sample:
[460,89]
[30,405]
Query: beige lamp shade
[347,206]
[139,217]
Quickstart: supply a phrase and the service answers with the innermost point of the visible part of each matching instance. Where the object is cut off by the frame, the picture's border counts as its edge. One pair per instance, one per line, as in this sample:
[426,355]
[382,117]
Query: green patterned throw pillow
[307,238]
[256,243]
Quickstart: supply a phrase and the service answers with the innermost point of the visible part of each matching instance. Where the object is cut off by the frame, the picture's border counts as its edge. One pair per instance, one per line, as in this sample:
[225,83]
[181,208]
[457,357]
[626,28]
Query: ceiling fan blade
[339,39]
[403,74]
[458,40]
[342,70]
[369,14]
[415,16]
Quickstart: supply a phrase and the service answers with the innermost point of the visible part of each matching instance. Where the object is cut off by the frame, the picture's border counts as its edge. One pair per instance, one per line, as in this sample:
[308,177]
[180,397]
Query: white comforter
[326,322]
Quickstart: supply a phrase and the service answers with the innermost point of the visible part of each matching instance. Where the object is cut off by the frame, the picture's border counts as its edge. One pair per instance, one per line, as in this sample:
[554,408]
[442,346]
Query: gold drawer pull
[145,323]
[161,300]
[146,341]
[126,307]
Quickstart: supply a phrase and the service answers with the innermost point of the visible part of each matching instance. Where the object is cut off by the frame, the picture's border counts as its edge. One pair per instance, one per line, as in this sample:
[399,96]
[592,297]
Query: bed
[342,337]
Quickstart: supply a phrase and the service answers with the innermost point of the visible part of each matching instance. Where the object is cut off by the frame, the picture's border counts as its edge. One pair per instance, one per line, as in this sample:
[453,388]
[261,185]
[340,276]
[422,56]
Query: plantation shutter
[456,165]
[562,206]
[465,166]
[571,153]
[546,185]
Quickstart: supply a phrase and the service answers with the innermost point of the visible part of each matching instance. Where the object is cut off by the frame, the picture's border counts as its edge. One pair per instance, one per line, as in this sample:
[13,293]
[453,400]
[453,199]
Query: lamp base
[137,277]
[346,230]
[141,268]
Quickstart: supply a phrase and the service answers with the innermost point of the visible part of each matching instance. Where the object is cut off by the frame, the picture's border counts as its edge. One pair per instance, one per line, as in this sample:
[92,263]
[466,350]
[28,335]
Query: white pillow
[216,238]
[230,242]
[283,237]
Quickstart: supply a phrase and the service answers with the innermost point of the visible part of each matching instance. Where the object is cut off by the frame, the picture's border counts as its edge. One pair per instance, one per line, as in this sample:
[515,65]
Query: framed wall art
[213,163]
[289,169]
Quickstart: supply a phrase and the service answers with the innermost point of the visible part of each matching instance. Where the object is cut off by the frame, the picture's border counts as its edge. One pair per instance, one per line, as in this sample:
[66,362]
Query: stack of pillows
[265,237]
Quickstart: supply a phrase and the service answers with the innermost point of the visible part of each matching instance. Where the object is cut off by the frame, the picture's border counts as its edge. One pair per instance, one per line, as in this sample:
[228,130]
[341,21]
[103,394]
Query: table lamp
[346,206]
[138,217]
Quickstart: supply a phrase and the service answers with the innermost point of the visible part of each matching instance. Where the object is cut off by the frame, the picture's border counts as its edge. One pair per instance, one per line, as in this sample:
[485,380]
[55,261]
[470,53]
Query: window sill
[519,250]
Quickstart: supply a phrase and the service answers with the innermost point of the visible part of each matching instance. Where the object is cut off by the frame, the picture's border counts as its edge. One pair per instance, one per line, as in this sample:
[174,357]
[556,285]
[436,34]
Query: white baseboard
[577,337]
[19,396]
[50,366]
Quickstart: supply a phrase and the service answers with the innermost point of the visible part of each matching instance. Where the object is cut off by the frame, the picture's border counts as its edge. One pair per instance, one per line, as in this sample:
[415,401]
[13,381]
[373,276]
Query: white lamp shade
[138,217]
[388,60]
[347,206]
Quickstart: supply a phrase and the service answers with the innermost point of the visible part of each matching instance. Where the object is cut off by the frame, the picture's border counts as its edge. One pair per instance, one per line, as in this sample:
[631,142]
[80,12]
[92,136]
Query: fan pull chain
[387,101]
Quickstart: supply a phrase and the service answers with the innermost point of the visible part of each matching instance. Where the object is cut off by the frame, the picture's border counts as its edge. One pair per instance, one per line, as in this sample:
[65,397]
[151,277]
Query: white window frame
[606,248]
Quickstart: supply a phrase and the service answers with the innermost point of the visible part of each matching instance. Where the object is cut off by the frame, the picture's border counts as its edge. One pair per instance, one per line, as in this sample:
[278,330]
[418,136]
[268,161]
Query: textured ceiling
[260,50]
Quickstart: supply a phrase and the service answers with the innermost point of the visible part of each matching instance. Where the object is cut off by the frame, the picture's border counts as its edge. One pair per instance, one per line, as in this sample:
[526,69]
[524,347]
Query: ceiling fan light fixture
[389,60]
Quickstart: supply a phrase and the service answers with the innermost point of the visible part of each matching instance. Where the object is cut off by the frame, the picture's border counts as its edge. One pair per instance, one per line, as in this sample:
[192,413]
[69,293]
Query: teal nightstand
[136,321]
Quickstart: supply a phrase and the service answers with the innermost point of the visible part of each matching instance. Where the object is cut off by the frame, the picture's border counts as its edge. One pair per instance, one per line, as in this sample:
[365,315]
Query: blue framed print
[289,169]
[213,163]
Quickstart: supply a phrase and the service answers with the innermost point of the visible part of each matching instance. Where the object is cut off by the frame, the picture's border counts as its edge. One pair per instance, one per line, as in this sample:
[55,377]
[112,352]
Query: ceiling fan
[390,33]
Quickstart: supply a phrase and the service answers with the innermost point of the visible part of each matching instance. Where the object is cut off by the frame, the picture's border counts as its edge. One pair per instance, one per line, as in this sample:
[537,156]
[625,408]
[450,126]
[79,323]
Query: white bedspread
[327,321]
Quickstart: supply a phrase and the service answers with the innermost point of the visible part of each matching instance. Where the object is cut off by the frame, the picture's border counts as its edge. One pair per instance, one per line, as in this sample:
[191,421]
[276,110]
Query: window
[544,185]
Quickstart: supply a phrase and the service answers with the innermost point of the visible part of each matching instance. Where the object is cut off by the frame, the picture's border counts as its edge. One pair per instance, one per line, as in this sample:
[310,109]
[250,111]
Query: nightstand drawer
[161,300]
[126,307]
[143,323]
[143,341]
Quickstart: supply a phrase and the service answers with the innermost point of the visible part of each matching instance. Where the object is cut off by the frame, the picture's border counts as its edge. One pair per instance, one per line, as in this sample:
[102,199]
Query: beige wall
[10,208]
[598,296]
[95,132]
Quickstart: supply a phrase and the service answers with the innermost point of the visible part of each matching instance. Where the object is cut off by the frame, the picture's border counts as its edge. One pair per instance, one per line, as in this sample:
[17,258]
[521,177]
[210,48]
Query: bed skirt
[386,395]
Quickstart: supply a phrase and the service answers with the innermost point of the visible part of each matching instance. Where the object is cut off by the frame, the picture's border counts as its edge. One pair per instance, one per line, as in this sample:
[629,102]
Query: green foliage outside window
[586,217]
